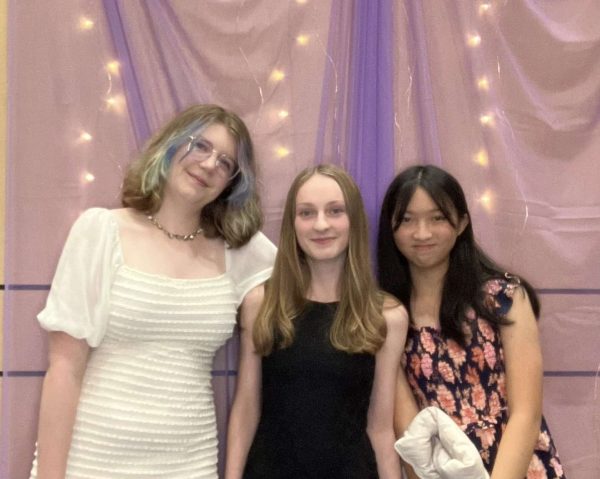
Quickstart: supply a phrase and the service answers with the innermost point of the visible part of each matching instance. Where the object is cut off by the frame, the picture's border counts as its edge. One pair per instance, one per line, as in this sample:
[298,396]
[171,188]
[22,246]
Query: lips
[322,241]
[198,179]
[423,247]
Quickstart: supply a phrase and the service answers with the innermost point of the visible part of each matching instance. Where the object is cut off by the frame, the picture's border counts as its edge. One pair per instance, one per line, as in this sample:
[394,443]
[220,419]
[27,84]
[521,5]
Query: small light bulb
[85,23]
[89,177]
[301,2]
[302,40]
[487,200]
[113,67]
[283,114]
[484,8]
[473,40]
[282,151]
[486,119]
[483,83]
[481,158]
[277,75]
[85,136]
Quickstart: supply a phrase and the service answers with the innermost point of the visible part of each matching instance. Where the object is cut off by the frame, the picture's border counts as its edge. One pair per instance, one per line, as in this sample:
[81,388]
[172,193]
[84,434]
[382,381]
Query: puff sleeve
[251,264]
[78,300]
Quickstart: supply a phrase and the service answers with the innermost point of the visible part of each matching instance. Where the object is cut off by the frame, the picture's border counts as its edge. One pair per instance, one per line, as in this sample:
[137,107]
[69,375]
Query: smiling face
[201,182]
[321,221]
[425,236]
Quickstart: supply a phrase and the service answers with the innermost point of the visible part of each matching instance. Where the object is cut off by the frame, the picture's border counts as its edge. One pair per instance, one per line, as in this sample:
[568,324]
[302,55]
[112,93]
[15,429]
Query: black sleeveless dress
[314,408]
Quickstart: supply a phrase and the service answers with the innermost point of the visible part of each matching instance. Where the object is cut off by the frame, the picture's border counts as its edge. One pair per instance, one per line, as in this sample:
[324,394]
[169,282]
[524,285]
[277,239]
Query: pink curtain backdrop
[505,95]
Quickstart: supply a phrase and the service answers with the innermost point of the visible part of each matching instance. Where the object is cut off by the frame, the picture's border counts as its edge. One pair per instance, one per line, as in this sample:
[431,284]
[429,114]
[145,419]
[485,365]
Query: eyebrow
[433,210]
[212,145]
[335,202]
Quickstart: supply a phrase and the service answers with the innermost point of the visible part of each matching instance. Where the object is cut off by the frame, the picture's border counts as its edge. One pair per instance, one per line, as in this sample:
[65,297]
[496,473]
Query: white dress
[146,408]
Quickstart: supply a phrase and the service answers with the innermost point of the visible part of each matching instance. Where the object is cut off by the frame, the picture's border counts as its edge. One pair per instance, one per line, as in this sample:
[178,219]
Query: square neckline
[158,276]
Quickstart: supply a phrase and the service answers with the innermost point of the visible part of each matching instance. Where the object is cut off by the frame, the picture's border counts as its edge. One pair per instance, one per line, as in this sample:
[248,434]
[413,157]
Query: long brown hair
[235,215]
[358,325]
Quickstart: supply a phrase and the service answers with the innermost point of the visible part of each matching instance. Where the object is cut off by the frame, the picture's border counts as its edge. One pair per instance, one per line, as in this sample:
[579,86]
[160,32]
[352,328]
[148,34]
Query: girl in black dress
[318,367]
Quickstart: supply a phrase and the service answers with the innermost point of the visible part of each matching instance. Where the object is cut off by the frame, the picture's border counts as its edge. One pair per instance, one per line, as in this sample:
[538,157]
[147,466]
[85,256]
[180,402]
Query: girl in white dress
[142,298]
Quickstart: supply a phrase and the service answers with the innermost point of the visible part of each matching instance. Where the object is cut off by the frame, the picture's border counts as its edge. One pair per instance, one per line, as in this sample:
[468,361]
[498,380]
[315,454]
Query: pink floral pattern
[469,383]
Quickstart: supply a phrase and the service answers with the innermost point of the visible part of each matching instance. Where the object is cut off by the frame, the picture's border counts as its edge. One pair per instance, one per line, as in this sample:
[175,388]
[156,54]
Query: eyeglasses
[200,149]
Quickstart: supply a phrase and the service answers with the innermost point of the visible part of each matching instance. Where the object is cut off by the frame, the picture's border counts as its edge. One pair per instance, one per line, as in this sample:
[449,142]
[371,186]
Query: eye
[226,163]
[336,211]
[203,146]
[439,218]
[305,213]
[405,219]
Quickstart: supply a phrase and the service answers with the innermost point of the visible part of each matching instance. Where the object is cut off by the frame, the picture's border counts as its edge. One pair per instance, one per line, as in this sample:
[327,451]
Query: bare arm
[245,411]
[60,395]
[380,424]
[405,409]
[523,360]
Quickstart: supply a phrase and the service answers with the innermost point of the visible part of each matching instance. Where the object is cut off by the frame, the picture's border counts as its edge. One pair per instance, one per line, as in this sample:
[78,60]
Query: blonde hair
[235,215]
[358,325]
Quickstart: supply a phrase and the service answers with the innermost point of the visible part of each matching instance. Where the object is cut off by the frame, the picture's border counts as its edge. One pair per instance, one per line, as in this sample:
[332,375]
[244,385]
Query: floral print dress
[468,383]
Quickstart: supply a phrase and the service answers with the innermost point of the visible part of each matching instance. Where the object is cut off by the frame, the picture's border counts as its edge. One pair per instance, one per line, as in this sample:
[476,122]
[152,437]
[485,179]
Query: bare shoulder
[250,306]
[395,313]
[130,221]
[254,297]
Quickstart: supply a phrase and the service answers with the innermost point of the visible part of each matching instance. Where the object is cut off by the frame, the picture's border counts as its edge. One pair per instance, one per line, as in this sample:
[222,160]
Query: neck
[428,282]
[324,281]
[177,217]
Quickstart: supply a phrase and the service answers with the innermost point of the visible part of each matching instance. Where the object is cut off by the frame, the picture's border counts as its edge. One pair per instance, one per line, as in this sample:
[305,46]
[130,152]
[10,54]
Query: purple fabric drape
[135,104]
[371,105]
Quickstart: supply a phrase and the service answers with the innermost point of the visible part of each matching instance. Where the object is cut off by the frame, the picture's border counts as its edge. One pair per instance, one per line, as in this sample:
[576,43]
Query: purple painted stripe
[577,291]
[555,291]
[570,374]
[135,105]
[233,373]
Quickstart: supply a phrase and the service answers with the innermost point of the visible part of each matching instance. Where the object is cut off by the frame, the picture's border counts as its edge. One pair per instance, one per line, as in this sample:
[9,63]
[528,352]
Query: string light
[487,201]
[282,151]
[277,75]
[88,177]
[487,119]
[283,114]
[85,137]
[483,83]
[113,67]
[301,2]
[115,103]
[302,40]
[473,40]
[86,23]
[481,158]
[484,8]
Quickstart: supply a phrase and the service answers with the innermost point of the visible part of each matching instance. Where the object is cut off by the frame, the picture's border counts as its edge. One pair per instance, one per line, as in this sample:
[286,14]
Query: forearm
[388,462]
[407,470]
[243,422]
[58,408]
[516,447]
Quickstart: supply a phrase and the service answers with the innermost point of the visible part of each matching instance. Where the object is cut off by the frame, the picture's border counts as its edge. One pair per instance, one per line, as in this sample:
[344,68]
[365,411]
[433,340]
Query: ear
[462,224]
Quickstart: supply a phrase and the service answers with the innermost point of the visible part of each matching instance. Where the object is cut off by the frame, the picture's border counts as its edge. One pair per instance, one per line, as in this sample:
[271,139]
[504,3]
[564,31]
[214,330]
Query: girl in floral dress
[472,348]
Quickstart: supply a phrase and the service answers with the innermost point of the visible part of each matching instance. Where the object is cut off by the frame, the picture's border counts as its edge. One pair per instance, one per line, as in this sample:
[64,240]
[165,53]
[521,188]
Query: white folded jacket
[437,448]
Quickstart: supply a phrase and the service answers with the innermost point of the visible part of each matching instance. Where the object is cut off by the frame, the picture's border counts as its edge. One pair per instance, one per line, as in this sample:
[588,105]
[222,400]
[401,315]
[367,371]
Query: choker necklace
[188,237]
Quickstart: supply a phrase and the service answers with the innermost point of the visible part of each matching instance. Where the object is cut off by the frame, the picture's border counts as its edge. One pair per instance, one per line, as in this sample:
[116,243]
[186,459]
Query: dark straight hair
[469,266]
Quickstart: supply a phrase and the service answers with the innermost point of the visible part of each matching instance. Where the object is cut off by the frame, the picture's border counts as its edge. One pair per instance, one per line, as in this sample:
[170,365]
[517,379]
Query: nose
[422,231]
[209,161]
[321,223]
